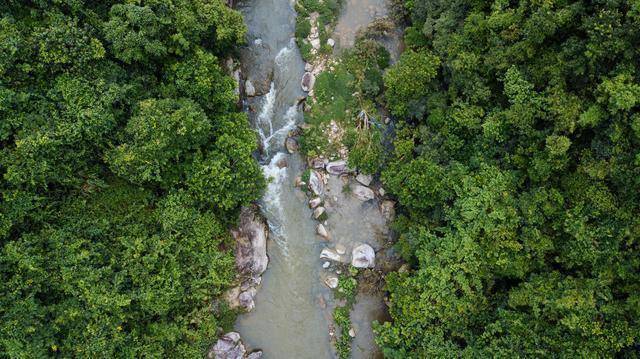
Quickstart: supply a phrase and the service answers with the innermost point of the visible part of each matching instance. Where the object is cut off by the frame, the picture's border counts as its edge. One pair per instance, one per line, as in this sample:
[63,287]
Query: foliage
[516,165]
[343,343]
[343,93]
[123,161]
[347,290]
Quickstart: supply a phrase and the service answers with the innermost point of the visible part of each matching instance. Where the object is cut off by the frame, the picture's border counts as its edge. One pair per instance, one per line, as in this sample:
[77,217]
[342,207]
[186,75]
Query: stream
[293,306]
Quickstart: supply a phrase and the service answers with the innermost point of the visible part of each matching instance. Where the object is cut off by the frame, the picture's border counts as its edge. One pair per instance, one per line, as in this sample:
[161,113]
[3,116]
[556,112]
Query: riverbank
[342,141]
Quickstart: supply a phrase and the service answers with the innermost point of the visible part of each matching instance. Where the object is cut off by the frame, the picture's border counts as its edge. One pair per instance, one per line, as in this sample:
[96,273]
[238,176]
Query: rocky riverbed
[320,217]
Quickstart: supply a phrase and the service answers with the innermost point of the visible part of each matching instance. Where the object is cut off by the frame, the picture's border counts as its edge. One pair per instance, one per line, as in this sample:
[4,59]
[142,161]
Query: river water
[287,321]
[293,307]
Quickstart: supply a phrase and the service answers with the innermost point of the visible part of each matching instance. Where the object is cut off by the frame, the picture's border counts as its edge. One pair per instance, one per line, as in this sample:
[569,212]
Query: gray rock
[321,231]
[246,299]
[261,70]
[352,333]
[255,355]
[308,80]
[331,42]
[316,162]
[315,43]
[362,193]
[251,243]
[308,67]
[315,202]
[292,145]
[382,192]
[340,249]
[337,168]
[363,256]
[316,183]
[251,258]
[388,209]
[318,212]
[228,346]
[330,254]
[249,89]
[326,265]
[364,179]
[331,281]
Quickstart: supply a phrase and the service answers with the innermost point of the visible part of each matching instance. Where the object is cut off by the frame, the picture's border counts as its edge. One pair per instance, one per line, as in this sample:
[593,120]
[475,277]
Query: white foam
[271,200]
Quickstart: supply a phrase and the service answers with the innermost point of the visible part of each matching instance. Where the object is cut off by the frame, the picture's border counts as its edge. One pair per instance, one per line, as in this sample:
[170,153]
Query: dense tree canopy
[517,164]
[123,161]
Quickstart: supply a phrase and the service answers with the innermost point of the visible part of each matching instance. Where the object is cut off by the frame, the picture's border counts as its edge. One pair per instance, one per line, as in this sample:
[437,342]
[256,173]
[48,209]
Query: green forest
[123,160]
[517,163]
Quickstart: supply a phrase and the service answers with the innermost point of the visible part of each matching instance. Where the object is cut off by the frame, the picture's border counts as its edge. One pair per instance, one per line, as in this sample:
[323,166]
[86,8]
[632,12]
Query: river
[293,307]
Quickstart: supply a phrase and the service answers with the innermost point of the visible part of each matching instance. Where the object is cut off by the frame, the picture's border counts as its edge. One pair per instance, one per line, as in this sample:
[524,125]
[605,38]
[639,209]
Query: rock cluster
[251,258]
[230,346]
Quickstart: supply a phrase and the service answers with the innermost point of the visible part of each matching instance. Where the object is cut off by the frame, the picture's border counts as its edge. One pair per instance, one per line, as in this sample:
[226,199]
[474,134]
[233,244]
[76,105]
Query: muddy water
[287,321]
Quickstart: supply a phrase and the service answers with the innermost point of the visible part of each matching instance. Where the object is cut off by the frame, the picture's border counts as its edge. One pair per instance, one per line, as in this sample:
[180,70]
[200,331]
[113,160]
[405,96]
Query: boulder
[364,179]
[316,163]
[246,299]
[363,193]
[315,43]
[337,168]
[228,346]
[251,258]
[318,212]
[330,254]
[321,231]
[315,202]
[326,265]
[388,209]
[308,67]
[251,243]
[363,256]
[291,145]
[308,80]
[236,78]
[352,333]
[331,281]
[260,56]
[316,183]
[255,355]
[249,89]
[331,42]
[382,192]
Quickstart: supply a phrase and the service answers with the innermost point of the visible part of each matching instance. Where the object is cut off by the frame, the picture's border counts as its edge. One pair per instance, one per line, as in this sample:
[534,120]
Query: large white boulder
[363,256]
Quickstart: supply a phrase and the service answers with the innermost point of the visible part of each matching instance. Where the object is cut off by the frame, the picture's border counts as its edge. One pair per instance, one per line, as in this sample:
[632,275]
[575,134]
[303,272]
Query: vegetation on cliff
[123,162]
[517,165]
